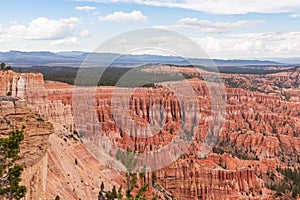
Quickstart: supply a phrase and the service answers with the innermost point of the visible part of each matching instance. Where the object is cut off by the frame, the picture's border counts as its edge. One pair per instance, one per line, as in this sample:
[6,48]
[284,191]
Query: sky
[226,29]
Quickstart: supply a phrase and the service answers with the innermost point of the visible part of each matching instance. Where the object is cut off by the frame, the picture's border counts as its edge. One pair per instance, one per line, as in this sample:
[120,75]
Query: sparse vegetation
[241,153]
[10,171]
[5,67]
[287,187]
[2,65]
[291,180]
[112,195]
[129,160]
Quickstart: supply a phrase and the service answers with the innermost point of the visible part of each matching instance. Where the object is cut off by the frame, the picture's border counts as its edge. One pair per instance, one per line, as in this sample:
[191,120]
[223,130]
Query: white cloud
[214,27]
[42,28]
[84,33]
[70,41]
[85,8]
[221,6]
[295,15]
[123,17]
[252,45]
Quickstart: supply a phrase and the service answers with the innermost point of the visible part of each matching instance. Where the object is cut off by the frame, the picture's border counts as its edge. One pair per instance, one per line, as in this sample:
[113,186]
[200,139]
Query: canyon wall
[50,147]
[31,87]
[14,114]
[260,132]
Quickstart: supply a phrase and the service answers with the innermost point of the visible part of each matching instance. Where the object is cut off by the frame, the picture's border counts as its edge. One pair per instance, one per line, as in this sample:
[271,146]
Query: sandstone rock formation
[50,147]
[261,127]
[14,114]
[260,132]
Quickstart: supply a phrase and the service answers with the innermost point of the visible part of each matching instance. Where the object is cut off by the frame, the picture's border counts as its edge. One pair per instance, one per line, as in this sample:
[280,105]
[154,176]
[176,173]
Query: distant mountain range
[75,58]
[294,60]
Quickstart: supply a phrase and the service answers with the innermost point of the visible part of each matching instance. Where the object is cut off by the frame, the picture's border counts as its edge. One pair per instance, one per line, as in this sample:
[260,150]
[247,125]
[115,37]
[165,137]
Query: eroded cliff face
[50,147]
[73,172]
[31,87]
[14,114]
[190,176]
[260,132]
[188,180]
[28,86]
[263,125]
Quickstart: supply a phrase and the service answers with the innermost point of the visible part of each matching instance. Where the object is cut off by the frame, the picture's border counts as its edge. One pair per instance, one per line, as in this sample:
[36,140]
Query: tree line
[5,67]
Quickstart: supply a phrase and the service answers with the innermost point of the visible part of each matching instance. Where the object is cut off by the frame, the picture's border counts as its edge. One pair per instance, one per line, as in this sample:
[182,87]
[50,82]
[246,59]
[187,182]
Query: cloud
[215,27]
[42,28]
[84,33]
[220,6]
[85,8]
[210,27]
[123,17]
[70,41]
[252,45]
[295,15]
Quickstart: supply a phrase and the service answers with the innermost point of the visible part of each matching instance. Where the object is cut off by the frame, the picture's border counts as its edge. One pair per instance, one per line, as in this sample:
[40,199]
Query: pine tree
[2,65]
[8,68]
[102,186]
[10,171]
[114,194]
[120,196]
[129,160]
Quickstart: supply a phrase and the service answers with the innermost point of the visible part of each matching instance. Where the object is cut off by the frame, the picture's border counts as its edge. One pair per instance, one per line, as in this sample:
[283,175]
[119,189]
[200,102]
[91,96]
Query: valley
[256,134]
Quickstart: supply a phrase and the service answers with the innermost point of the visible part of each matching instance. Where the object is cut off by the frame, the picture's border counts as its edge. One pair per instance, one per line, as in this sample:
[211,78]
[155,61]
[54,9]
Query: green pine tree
[129,160]
[102,186]
[120,196]
[10,171]
[2,65]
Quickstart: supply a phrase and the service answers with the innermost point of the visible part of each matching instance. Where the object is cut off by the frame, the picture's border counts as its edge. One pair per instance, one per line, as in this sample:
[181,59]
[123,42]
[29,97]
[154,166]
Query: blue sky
[223,28]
